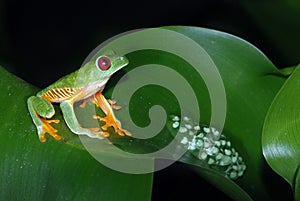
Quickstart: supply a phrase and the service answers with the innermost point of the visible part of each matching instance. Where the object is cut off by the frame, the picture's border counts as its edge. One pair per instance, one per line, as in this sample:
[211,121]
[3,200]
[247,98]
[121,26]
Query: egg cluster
[208,144]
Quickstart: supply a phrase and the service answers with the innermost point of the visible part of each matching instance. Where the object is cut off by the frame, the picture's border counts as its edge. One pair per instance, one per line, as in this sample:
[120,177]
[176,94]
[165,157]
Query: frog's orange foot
[113,104]
[111,122]
[94,130]
[98,132]
[47,128]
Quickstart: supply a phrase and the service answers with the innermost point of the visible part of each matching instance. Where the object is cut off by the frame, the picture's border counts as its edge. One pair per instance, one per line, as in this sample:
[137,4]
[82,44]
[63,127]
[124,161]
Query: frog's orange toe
[113,104]
[42,138]
[121,131]
[98,117]
[99,132]
[105,134]
[126,132]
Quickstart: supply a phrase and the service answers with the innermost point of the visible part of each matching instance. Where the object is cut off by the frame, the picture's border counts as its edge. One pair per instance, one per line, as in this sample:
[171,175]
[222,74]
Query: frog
[81,86]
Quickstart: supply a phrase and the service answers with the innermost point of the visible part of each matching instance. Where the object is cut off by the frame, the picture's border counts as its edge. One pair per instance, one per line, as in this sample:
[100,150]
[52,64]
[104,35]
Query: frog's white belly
[94,87]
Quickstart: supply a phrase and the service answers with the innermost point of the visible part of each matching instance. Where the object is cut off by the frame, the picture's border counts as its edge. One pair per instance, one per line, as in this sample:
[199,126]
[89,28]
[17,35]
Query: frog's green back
[68,81]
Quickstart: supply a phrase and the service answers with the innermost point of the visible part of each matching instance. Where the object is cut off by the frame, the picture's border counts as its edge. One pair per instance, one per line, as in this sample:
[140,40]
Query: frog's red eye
[103,63]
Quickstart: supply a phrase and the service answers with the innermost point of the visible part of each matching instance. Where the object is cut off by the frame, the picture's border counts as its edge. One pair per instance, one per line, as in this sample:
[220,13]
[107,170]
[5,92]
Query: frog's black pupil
[103,63]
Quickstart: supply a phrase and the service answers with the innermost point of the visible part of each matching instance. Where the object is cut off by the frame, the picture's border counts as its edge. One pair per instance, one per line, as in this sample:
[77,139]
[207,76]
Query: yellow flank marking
[57,95]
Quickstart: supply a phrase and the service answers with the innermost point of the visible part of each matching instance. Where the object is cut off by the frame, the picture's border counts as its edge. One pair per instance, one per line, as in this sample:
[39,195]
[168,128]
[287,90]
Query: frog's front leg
[113,104]
[72,122]
[41,111]
[110,119]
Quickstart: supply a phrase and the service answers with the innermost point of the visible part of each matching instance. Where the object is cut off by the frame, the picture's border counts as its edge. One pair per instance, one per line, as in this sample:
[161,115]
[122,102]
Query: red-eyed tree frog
[85,84]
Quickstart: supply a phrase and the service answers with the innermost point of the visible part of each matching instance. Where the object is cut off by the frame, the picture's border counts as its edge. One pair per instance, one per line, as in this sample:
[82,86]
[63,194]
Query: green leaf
[251,82]
[281,136]
[54,170]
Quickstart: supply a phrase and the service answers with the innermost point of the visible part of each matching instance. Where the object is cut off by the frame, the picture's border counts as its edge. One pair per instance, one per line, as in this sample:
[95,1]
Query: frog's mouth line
[125,64]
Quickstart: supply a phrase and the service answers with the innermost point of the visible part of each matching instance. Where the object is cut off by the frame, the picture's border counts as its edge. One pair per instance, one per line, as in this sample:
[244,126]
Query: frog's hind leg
[41,110]
[72,122]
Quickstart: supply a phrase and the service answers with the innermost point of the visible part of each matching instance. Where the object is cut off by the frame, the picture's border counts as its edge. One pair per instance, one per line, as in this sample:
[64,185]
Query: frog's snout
[124,60]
